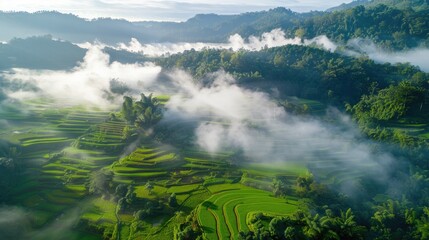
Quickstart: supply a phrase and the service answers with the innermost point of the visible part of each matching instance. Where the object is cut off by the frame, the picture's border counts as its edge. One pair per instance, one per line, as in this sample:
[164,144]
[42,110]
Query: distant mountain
[46,53]
[346,6]
[65,26]
[203,27]
[39,53]
[394,24]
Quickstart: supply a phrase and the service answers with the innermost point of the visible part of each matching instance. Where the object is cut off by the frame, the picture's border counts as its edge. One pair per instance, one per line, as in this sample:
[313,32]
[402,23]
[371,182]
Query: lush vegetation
[390,27]
[298,71]
[127,174]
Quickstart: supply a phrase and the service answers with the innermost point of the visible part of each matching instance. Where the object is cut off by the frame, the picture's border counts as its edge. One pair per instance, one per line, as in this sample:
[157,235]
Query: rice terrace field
[74,146]
[230,211]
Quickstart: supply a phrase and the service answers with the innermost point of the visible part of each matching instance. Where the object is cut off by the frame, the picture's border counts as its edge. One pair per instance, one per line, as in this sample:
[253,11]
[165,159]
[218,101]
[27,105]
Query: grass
[101,210]
[183,189]
[226,187]
[142,192]
[141,174]
[273,169]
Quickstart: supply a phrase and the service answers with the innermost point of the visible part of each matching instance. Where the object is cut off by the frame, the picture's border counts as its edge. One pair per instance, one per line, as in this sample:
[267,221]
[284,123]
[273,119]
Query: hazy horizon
[162,10]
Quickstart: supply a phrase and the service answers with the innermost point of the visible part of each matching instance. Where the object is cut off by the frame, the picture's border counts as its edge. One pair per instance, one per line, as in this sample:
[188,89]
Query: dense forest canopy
[298,71]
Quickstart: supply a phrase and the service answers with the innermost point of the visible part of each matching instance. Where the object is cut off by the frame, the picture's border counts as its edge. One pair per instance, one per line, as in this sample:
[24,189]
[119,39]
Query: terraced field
[149,162]
[107,136]
[69,144]
[57,171]
[229,211]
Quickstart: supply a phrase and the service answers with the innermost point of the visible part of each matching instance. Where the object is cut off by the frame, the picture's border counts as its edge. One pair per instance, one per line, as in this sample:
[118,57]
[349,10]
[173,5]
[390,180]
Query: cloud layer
[417,56]
[275,38]
[89,83]
[230,118]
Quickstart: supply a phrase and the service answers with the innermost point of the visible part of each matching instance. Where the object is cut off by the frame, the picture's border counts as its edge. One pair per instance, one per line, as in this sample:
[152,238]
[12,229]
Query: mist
[275,38]
[231,118]
[15,223]
[228,117]
[91,82]
[416,56]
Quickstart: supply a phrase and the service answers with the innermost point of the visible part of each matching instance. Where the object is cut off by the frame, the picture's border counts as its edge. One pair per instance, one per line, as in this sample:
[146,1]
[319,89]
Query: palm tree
[148,111]
[422,224]
[347,226]
[313,228]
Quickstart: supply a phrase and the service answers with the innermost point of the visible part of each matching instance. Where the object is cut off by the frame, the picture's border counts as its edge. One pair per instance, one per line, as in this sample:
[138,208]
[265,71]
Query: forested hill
[43,52]
[298,71]
[401,4]
[390,24]
[203,27]
[390,27]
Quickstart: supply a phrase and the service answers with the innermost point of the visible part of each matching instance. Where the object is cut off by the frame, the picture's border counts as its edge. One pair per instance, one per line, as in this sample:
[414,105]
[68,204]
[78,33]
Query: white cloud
[275,38]
[87,83]
[415,56]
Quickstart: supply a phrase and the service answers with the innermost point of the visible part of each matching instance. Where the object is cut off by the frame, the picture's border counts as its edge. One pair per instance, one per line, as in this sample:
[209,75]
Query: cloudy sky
[161,10]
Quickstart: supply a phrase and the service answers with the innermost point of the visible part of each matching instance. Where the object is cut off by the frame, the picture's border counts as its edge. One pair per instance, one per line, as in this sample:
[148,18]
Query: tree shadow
[208,229]
[209,204]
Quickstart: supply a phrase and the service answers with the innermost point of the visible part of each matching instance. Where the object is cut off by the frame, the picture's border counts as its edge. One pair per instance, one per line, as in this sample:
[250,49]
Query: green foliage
[121,190]
[127,132]
[281,187]
[390,221]
[188,230]
[300,71]
[422,224]
[149,186]
[391,103]
[388,26]
[172,200]
[127,110]
[100,182]
[295,108]
[306,226]
[144,113]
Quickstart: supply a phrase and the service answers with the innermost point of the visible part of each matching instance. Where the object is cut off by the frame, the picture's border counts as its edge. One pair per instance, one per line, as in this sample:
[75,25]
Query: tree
[122,205]
[127,110]
[422,224]
[294,232]
[277,227]
[143,113]
[140,215]
[131,195]
[393,102]
[148,111]
[346,226]
[172,200]
[100,182]
[303,184]
[149,187]
[280,186]
[300,33]
[390,221]
[121,190]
